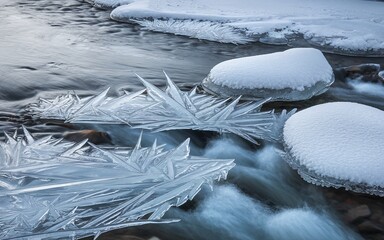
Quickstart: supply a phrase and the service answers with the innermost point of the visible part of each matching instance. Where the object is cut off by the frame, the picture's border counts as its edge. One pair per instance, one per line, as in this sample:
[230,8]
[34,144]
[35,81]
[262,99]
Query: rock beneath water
[369,224]
[295,74]
[368,72]
[338,144]
[358,213]
[93,136]
[370,227]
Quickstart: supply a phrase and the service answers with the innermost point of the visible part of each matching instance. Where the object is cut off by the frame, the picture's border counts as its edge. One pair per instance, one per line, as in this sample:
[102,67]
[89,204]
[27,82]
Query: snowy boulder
[295,74]
[338,144]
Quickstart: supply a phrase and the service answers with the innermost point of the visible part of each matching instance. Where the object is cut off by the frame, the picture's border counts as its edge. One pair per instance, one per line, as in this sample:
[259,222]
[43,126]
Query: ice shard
[53,189]
[171,109]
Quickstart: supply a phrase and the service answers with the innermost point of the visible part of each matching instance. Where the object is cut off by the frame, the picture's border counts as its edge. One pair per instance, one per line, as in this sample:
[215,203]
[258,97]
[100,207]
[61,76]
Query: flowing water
[49,47]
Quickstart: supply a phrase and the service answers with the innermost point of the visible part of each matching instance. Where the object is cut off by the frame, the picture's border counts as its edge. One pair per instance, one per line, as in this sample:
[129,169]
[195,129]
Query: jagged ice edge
[167,110]
[205,30]
[51,188]
[315,178]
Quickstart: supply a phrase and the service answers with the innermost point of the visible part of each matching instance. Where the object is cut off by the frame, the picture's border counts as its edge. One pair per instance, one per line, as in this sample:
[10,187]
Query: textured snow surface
[350,25]
[54,189]
[108,4]
[171,109]
[338,144]
[296,69]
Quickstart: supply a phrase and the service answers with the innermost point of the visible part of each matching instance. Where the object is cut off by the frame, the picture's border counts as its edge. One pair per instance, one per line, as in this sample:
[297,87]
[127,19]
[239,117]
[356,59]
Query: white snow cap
[340,143]
[295,74]
[295,68]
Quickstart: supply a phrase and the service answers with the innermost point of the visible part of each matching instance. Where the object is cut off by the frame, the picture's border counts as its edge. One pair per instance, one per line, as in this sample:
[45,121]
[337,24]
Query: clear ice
[51,188]
[171,109]
[207,30]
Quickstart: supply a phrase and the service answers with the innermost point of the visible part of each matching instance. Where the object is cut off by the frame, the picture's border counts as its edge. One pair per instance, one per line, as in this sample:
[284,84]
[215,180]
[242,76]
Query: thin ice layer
[208,30]
[51,189]
[348,25]
[295,74]
[338,144]
[167,110]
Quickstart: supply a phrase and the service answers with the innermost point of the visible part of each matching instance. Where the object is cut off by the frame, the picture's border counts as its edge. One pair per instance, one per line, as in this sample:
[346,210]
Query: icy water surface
[51,47]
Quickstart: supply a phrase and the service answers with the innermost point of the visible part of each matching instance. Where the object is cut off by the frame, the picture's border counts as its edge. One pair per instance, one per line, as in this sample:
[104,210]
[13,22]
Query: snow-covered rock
[355,26]
[338,144]
[295,74]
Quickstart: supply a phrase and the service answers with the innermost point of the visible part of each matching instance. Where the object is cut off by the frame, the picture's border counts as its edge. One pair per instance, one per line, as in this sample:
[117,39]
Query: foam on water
[303,224]
[374,89]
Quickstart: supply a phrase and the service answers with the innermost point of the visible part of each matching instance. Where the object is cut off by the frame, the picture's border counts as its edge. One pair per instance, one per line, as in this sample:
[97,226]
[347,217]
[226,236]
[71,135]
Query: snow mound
[338,144]
[353,26]
[54,189]
[295,74]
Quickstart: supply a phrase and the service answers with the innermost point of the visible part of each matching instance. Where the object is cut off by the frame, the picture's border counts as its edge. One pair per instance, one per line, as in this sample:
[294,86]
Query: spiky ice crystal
[167,110]
[51,188]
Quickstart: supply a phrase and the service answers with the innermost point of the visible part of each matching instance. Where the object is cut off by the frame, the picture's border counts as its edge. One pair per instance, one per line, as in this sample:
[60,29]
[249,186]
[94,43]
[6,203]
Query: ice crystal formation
[51,189]
[171,109]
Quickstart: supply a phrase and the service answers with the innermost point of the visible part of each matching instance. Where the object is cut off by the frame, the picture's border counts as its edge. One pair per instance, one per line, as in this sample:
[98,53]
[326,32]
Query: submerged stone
[292,75]
[368,72]
[338,144]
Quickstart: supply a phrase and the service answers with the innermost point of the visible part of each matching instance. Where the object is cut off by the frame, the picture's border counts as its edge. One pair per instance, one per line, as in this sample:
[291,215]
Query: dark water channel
[49,47]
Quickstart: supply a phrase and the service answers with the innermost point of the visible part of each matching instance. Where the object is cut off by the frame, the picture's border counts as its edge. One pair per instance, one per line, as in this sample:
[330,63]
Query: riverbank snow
[295,74]
[338,144]
[108,4]
[348,25]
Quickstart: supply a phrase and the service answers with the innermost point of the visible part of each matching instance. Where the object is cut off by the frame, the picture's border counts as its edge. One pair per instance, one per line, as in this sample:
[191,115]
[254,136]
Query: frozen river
[49,47]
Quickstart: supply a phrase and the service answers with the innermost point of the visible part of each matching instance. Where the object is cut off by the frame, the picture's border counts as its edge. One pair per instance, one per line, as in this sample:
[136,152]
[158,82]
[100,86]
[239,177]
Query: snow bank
[109,4]
[294,74]
[349,25]
[338,144]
